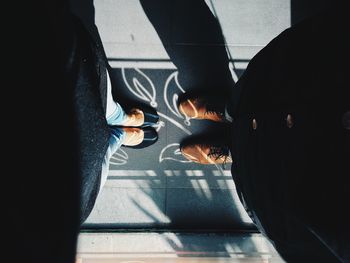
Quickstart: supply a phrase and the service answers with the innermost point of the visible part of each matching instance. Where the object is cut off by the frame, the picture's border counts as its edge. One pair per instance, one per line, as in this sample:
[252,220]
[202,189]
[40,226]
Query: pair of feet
[135,131]
[205,151]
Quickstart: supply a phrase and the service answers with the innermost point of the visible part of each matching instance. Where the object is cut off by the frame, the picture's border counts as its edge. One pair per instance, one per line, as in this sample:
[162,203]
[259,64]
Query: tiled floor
[159,50]
[175,248]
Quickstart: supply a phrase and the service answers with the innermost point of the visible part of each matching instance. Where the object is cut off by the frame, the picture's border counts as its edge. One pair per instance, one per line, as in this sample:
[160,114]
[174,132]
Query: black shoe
[205,107]
[206,154]
[150,116]
[207,148]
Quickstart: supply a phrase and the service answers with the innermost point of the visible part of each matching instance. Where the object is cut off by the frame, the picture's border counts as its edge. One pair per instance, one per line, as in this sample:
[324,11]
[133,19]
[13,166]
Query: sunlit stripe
[159,64]
[143,64]
[241,65]
[132,173]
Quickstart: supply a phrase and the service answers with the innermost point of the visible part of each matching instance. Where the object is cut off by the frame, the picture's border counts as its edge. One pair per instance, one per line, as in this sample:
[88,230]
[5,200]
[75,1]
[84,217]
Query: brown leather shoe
[133,136]
[135,118]
[207,154]
[200,108]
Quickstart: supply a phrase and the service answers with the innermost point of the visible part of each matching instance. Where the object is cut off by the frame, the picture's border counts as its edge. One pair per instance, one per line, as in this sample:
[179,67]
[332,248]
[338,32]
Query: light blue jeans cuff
[115,141]
[117,117]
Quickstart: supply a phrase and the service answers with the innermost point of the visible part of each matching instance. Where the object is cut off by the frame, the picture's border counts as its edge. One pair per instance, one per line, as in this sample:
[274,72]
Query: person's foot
[135,118]
[206,154]
[139,138]
[202,108]
[133,136]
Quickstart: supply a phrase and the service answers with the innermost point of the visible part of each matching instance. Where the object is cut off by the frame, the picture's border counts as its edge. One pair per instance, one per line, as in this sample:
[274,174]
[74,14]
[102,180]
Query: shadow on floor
[193,39]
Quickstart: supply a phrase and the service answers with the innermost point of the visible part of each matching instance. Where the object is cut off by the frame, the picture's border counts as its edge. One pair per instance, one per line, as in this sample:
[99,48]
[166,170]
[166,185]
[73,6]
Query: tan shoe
[206,154]
[133,136]
[135,118]
[199,108]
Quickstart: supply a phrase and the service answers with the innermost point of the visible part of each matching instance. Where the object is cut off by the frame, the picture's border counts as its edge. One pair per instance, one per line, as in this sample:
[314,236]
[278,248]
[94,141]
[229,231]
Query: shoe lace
[215,108]
[219,152]
[211,112]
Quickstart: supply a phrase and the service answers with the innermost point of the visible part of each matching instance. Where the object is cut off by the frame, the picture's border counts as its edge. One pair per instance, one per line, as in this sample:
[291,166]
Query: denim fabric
[115,115]
[115,141]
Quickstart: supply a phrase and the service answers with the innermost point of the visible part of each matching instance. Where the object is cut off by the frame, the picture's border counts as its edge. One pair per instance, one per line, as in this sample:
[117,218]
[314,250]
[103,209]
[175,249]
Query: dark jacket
[292,175]
[87,69]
